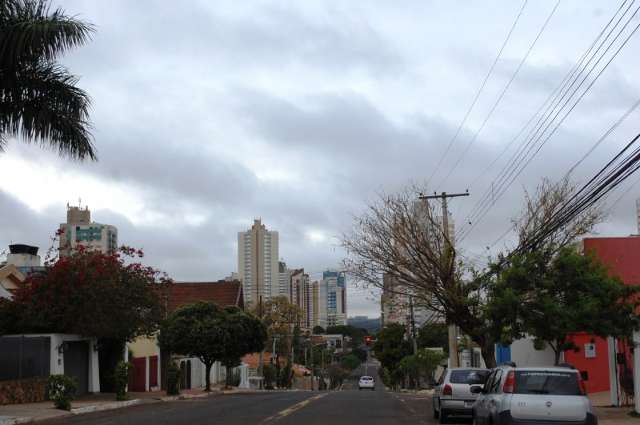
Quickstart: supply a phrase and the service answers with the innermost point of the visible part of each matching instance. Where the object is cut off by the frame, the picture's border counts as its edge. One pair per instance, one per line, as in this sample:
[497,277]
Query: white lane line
[289,410]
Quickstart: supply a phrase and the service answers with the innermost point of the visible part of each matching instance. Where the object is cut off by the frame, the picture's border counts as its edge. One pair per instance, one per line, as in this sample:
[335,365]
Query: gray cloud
[300,114]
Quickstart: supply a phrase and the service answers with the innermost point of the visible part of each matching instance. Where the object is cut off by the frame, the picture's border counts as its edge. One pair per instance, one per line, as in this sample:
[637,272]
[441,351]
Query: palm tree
[39,100]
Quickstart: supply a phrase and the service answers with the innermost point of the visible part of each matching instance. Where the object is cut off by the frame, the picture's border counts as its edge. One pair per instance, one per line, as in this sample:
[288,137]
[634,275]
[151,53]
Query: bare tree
[402,237]
[541,209]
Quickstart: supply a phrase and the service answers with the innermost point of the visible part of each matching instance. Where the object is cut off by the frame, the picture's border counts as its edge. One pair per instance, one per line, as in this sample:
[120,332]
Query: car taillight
[509,383]
[447,390]
[582,385]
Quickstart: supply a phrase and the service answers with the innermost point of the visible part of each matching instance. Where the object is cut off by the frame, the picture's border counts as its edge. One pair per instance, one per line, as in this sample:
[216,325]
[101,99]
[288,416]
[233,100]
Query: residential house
[144,352]
[39,355]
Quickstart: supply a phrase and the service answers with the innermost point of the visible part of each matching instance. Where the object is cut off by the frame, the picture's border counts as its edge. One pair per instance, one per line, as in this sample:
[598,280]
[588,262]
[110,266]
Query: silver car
[452,394]
[533,395]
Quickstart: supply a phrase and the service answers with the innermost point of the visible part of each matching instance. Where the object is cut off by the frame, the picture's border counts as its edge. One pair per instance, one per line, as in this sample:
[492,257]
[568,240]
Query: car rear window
[468,376]
[547,382]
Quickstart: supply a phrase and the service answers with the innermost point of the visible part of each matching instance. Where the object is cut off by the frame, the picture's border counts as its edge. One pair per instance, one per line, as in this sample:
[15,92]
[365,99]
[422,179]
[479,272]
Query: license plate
[468,404]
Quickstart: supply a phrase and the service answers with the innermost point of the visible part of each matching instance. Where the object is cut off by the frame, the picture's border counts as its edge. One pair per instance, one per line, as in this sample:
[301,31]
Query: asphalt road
[345,407]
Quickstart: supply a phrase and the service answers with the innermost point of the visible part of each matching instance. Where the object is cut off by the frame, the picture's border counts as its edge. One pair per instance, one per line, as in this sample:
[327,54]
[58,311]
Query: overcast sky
[208,114]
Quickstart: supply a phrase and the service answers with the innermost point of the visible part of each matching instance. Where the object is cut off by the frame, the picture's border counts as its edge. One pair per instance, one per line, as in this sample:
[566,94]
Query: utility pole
[453,341]
[413,326]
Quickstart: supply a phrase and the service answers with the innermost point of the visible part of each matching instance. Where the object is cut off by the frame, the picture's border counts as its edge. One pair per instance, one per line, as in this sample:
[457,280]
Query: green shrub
[61,389]
[173,379]
[121,379]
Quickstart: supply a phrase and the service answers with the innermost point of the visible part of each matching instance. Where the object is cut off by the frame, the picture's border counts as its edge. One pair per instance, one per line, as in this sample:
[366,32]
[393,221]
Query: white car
[452,395]
[366,382]
[533,395]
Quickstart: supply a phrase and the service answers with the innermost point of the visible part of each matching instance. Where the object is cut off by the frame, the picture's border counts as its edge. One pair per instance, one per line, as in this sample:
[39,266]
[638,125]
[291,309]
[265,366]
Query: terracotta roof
[223,293]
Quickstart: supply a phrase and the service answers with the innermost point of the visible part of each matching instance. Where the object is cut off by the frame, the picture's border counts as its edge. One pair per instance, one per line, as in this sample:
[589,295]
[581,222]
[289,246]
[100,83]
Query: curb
[108,406]
[77,411]
[189,396]
[16,421]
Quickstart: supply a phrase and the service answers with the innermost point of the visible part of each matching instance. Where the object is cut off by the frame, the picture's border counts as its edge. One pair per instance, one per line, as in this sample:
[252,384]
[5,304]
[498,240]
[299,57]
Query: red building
[622,257]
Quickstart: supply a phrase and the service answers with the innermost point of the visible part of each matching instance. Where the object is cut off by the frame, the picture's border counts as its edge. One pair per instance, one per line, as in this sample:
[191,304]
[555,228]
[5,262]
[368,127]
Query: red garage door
[153,371]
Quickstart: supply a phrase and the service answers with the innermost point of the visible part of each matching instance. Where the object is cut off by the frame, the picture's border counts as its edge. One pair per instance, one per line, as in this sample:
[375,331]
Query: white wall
[524,354]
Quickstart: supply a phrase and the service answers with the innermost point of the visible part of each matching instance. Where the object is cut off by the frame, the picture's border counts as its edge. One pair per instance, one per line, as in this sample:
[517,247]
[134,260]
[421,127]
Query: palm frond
[29,31]
[43,105]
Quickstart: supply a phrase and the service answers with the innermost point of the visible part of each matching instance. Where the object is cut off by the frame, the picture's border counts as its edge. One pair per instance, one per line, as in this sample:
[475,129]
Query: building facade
[329,299]
[284,280]
[79,230]
[258,265]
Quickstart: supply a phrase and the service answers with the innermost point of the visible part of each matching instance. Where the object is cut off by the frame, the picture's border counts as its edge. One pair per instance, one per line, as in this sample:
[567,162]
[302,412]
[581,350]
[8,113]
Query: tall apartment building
[396,305]
[301,293]
[284,280]
[330,299]
[79,230]
[258,265]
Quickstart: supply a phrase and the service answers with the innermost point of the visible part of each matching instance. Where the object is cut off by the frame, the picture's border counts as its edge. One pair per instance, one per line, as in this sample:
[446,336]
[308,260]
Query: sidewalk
[14,414]
[608,415]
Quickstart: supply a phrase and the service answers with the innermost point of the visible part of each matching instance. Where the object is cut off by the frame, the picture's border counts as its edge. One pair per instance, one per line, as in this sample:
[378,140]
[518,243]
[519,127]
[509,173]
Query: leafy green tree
[391,346]
[360,354]
[318,330]
[241,333]
[195,330]
[433,335]
[553,300]
[350,362]
[356,334]
[39,99]
[337,375]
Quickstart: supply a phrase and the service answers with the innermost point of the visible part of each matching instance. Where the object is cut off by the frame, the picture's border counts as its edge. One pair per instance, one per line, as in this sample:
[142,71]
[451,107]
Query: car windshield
[468,376]
[547,382]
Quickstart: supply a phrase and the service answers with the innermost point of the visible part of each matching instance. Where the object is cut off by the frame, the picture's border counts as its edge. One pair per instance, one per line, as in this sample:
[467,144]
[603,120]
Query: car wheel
[444,416]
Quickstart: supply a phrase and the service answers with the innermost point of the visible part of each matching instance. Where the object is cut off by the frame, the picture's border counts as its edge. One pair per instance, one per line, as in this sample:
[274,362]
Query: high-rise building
[284,280]
[302,295]
[79,230]
[330,299]
[396,305]
[258,265]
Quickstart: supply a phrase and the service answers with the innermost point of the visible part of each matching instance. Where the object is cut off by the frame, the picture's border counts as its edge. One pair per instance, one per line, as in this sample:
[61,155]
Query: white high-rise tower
[258,266]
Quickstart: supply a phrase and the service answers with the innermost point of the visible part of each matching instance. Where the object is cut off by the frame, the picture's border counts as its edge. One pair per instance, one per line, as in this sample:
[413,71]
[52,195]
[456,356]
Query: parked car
[452,394]
[533,395]
[367,382]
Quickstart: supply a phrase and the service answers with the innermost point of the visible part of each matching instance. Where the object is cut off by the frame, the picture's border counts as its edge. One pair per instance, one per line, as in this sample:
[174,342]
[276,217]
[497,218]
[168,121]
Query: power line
[555,97]
[502,94]
[517,164]
[521,154]
[599,141]
[478,93]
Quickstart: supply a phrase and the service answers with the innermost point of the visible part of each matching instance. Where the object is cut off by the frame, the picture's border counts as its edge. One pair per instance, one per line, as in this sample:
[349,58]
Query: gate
[76,363]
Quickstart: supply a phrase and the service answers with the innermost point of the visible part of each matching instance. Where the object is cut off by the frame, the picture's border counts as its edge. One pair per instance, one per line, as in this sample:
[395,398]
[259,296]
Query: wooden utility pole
[453,341]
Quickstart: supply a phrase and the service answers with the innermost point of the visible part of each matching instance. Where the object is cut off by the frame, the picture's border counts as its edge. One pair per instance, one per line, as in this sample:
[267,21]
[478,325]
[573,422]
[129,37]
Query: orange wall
[597,367]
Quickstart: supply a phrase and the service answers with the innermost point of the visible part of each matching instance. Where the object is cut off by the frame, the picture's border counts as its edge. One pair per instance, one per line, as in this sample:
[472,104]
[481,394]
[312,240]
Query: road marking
[289,410]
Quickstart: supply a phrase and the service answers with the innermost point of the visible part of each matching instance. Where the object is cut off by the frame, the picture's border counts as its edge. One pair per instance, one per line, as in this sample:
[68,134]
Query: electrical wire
[515,167]
[501,96]
[478,93]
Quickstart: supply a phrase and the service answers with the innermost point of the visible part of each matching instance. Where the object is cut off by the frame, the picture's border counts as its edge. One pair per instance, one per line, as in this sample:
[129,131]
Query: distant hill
[372,325]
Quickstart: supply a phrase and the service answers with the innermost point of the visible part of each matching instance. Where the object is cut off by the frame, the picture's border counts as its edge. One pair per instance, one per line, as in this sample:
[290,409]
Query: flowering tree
[90,293]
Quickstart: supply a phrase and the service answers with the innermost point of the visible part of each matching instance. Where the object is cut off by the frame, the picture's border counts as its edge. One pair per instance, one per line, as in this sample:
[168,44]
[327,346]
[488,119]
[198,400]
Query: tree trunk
[488,350]
[227,376]
[207,378]
[556,353]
